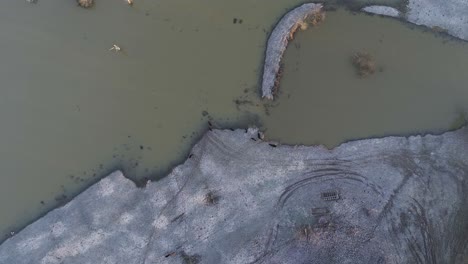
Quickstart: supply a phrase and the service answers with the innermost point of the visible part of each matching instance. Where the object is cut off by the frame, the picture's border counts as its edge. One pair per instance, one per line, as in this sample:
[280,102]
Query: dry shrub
[211,198]
[316,18]
[364,63]
[190,259]
[304,232]
[313,19]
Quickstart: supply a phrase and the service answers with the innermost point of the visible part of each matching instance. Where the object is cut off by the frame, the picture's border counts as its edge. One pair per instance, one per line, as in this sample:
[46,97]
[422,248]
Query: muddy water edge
[72,110]
[418,85]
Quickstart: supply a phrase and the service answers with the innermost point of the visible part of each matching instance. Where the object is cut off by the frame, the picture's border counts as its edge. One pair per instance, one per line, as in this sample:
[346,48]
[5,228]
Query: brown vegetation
[85,3]
[364,63]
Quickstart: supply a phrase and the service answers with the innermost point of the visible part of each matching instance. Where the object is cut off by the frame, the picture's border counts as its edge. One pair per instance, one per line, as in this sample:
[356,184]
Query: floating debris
[237,21]
[115,47]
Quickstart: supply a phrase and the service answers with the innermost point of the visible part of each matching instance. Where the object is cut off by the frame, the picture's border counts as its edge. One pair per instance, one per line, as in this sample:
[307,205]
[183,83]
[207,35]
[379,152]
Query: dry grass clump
[315,233]
[85,3]
[364,63]
[313,19]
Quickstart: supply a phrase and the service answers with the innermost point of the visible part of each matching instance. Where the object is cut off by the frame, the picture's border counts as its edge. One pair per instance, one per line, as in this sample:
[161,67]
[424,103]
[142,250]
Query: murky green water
[71,110]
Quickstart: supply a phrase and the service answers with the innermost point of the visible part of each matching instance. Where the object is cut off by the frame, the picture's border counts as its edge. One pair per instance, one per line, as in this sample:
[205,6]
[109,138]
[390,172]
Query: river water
[71,110]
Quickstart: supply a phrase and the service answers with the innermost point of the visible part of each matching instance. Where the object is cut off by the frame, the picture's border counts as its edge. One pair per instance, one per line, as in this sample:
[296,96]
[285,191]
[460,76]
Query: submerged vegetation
[439,30]
[364,63]
[460,121]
